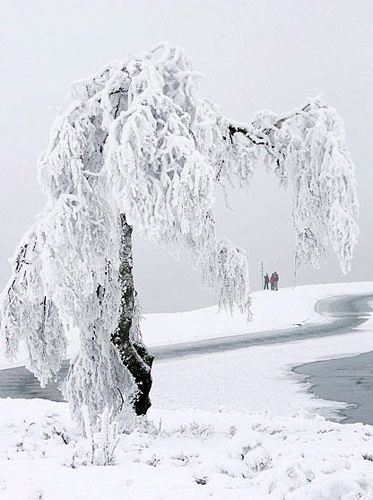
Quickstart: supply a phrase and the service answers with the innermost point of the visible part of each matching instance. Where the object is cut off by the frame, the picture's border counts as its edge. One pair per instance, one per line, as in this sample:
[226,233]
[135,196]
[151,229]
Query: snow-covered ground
[226,426]
[285,308]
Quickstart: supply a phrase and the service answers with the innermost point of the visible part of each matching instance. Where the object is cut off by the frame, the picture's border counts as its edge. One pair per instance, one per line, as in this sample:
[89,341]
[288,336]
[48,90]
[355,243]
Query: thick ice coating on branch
[140,141]
[306,148]
[160,158]
[28,315]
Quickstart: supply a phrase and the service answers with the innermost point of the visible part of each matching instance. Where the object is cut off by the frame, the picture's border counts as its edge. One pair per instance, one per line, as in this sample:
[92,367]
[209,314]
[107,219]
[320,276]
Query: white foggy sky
[267,54]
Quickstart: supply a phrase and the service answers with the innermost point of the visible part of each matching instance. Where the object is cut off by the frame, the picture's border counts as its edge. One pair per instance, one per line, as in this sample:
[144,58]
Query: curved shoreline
[346,313]
[347,381]
[332,307]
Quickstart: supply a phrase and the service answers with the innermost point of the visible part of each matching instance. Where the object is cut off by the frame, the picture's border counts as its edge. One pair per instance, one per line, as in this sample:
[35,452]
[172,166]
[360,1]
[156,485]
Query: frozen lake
[349,380]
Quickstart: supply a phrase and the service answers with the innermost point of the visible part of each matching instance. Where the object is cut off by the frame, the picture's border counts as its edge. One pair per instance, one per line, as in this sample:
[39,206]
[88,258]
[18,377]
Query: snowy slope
[271,310]
[225,426]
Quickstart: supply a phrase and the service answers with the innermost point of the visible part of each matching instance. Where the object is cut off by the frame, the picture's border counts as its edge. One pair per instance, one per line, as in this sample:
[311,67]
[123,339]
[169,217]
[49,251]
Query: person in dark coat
[266,281]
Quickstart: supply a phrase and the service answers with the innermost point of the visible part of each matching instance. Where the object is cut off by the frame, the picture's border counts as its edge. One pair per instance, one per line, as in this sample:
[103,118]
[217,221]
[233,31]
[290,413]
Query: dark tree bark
[133,352]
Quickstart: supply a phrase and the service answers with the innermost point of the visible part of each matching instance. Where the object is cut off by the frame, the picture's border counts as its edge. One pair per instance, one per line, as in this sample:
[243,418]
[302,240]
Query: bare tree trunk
[126,338]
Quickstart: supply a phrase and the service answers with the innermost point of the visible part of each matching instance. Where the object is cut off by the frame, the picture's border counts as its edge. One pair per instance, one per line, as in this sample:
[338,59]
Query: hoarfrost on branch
[140,140]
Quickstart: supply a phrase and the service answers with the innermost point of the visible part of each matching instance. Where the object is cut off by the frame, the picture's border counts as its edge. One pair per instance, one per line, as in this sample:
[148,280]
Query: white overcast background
[267,54]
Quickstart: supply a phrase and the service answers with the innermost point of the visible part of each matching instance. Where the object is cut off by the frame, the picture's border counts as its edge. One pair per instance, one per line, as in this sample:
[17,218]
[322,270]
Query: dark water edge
[347,380]
[21,383]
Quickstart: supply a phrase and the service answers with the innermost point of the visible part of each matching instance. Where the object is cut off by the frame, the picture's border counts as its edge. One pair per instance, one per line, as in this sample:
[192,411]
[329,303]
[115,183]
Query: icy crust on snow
[183,455]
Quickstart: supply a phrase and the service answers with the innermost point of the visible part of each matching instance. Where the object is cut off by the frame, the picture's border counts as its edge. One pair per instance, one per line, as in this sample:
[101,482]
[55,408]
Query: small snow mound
[242,442]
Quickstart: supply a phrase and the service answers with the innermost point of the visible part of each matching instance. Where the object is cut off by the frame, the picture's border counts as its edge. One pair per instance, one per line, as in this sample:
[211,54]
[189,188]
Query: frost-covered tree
[140,148]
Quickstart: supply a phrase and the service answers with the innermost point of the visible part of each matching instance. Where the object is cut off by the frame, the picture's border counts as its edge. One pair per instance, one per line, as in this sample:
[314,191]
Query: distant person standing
[266,281]
[275,280]
[272,281]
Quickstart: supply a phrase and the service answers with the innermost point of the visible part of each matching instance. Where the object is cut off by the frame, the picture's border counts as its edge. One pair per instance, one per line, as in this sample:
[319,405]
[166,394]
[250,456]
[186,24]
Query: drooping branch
[307,148]
[263,129]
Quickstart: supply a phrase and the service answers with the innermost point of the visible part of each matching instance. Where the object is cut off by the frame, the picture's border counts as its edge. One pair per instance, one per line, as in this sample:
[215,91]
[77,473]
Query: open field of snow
[185,455]
[225,426]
